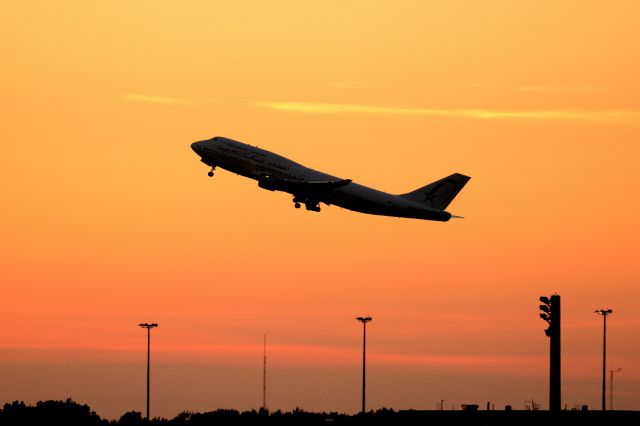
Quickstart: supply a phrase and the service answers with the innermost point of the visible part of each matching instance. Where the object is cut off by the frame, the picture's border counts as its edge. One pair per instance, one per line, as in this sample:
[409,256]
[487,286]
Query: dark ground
[71,414]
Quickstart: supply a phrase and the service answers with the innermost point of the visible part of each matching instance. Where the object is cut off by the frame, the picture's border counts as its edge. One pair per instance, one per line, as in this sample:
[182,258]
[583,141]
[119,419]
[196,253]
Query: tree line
[70,413]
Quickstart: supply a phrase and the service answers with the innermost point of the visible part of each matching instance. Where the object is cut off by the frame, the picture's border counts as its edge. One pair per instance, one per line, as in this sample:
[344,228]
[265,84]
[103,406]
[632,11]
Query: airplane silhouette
[310,187]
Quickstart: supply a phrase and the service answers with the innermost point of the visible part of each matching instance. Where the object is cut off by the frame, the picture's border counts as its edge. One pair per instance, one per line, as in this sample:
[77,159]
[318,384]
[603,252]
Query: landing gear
[210,174]
[310,205]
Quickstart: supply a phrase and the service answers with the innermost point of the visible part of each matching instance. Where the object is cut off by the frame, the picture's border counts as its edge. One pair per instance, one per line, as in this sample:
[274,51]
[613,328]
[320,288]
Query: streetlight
[364,321]
[550,307]
[148,327]
[604,313]
[611,387]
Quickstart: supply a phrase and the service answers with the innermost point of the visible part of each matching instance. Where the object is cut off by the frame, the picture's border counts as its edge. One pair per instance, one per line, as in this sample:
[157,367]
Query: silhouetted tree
[68,413]
[131,418]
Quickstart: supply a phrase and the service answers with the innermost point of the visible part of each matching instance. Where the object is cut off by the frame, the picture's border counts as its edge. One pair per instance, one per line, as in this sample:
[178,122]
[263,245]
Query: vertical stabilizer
[439,194]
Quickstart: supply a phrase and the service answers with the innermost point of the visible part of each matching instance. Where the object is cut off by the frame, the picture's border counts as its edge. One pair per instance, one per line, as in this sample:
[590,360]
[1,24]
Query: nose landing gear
[210,174]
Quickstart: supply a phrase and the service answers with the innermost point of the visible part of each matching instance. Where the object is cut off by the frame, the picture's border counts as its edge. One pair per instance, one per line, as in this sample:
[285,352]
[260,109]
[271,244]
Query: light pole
[364,321]
[611,387]
[148,327]
[550,308]
[604,313]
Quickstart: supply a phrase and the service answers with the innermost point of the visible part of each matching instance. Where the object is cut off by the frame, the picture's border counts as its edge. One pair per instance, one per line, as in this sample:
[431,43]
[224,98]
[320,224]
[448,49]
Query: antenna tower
[264,375]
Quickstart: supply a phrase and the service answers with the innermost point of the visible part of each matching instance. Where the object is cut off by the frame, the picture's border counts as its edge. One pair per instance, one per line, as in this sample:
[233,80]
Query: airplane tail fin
[439,194]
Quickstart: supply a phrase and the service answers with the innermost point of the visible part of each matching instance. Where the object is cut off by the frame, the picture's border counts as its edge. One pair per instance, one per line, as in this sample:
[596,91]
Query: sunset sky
[108,219]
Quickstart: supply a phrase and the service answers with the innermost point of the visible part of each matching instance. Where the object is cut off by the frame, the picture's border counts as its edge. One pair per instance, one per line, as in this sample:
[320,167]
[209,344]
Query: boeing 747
[310,187]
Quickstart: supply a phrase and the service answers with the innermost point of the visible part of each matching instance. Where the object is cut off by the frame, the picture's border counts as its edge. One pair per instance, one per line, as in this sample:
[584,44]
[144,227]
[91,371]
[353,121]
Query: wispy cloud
[472,113]
[570,89]
[292,354]
[535,88]
[136,97]
[348,84]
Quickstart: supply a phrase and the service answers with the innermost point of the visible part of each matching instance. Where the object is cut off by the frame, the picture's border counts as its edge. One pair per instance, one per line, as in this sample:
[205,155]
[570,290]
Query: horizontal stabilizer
[439,194]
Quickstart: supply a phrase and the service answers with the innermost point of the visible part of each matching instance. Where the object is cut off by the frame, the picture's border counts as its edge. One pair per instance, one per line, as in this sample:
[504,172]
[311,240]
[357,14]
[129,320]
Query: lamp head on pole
[603,312]
[364,320]
[147,325]
[548,307]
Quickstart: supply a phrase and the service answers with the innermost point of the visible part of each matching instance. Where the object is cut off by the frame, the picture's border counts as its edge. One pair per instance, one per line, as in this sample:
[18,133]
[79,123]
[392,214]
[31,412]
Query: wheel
[210,174]
[297,205]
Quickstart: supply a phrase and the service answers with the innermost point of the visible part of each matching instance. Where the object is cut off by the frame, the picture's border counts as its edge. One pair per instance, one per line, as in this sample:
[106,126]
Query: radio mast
[264,375]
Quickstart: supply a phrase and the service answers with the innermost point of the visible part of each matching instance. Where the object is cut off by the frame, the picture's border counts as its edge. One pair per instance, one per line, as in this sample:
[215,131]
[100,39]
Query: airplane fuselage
[276,172]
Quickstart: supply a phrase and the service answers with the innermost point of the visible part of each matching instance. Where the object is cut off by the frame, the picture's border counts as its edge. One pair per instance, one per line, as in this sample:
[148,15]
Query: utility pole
[604,313]
[550,308]
[611,387]
[148,327]
[364,321]
[264,375]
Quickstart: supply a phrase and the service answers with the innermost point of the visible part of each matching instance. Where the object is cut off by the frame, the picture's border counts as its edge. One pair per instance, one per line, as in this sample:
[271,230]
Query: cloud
[473,113]
[348,84]
[570,89]
[136,97]
[535,88]
[483,361]
[292,354]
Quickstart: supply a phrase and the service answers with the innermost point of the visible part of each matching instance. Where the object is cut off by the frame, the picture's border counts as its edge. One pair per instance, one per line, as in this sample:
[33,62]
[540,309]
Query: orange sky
[108,219]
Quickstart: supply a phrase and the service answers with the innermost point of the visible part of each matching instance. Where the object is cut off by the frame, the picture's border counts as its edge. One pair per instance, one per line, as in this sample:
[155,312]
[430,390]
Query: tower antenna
[264,375]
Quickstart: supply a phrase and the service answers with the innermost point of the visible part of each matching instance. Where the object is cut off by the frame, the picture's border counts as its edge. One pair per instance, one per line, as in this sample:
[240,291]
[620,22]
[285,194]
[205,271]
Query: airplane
[310,187]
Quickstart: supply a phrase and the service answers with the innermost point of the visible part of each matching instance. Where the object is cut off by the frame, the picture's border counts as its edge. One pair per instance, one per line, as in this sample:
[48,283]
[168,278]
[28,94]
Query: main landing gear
[310,205]
[210,174]
[314,207]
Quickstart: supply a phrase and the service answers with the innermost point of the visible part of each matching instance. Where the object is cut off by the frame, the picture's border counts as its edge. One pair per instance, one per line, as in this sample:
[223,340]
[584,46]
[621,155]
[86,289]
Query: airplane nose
[197,147]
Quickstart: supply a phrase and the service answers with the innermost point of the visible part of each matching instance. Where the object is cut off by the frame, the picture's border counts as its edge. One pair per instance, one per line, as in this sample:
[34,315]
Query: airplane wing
[328,184]
[311,189]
